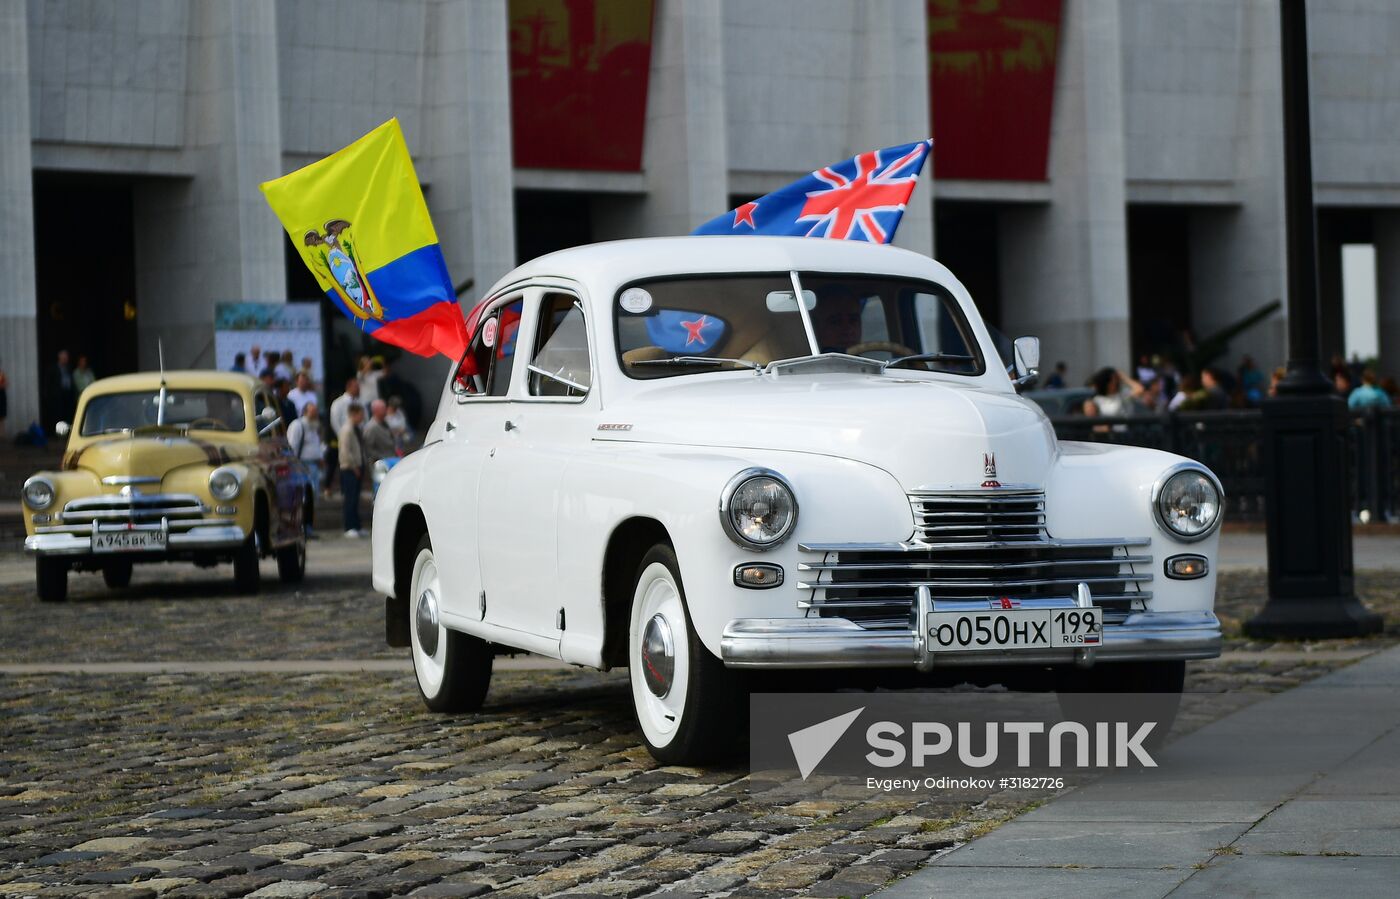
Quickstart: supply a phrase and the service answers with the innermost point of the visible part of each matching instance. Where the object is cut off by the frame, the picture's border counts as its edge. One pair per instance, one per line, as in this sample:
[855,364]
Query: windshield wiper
[700,360]
[930,357]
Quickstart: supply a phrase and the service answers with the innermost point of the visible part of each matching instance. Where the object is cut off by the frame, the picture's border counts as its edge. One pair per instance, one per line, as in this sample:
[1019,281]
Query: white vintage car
[701,457]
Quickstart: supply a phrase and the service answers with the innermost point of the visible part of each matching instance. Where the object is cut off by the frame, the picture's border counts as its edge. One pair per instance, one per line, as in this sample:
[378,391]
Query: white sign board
[273,327]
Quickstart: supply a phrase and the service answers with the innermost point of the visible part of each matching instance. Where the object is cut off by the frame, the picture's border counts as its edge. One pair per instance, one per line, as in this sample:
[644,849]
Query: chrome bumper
[838,643]
[222,536]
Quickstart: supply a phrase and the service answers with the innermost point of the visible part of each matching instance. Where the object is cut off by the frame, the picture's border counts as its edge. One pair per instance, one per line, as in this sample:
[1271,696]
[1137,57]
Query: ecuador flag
[359,222]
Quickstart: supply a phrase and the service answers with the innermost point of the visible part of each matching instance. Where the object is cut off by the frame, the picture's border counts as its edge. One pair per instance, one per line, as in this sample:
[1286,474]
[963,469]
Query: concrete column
[19,353]
[213,237]
[890,101]
[685,151]
[464,156]
[1237,253]
[1065,266]
[467,151]
[1386,228]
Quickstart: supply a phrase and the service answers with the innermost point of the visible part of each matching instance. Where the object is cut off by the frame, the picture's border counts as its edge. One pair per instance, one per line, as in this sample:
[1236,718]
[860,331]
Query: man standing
[62,398]
[283,367]
[352,469]
[378,437]
[340,408]
[340,414]
[304,437]
[256,363]
[303,393]
[83,376]
[285,405]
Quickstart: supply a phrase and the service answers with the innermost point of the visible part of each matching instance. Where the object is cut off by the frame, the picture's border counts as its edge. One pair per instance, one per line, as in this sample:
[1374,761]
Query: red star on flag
[744,215]
[694,329]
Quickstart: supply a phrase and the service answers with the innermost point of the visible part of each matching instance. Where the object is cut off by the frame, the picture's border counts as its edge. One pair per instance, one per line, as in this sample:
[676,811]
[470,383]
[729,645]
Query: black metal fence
[1230,443]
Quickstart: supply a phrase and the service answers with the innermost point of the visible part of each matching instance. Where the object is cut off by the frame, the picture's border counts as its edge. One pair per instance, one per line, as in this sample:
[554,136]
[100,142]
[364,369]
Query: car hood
[929,434]
[147,456]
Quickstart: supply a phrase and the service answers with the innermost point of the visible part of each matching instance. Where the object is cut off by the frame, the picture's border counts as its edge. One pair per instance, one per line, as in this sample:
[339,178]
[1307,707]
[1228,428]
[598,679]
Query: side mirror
[62,429]
[1027,350]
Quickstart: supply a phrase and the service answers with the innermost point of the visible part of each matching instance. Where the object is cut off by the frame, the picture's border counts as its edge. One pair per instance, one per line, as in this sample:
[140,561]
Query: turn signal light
[758,575]
[1186,568]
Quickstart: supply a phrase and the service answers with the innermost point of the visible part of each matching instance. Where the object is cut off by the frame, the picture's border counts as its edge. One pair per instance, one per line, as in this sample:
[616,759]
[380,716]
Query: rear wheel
[117,574]
[453,669]
[686,702]
[246,576]
[51,578]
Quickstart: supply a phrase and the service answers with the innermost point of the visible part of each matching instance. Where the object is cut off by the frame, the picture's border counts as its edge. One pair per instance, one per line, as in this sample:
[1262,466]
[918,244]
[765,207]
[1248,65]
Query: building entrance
[85,268]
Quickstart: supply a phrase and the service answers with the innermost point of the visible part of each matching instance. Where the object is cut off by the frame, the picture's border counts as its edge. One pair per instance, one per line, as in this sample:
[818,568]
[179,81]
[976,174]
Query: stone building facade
[1132,185]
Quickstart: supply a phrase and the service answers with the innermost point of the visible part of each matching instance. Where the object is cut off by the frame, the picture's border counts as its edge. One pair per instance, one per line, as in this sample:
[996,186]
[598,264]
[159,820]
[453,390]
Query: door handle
[511,426]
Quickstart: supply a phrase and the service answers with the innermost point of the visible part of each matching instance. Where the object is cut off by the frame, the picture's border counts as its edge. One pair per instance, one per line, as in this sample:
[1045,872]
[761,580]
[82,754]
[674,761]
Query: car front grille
[1002,515]
[138,508]
[983,545]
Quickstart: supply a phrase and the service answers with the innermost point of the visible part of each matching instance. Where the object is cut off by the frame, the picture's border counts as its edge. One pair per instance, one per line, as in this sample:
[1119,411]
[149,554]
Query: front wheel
[686,701]
[246,576]
[453,669]
[51,578]
[1156,689]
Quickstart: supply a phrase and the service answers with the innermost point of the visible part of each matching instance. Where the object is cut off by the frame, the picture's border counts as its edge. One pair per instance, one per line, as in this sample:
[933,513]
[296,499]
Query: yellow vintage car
[184,466]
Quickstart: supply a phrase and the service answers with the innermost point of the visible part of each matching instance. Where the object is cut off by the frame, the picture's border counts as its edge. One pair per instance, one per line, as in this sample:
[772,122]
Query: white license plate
[128,541]
[1027,629]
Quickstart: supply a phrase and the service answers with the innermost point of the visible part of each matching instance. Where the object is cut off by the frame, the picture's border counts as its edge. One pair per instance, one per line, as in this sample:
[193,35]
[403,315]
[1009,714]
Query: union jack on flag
[862,198]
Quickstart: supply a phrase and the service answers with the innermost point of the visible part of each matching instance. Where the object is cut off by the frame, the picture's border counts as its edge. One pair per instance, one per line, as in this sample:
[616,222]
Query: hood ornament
[989,470]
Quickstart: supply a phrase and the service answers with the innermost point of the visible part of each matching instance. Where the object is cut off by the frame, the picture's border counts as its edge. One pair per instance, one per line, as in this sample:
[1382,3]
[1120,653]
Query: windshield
[681,326]
[205,410]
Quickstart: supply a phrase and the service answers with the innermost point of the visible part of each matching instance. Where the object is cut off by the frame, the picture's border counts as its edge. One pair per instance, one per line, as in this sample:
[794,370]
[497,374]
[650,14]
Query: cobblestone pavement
[181,612]
[339,784]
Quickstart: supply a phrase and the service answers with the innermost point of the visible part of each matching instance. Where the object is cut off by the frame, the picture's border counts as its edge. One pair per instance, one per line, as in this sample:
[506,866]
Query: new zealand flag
[862,198]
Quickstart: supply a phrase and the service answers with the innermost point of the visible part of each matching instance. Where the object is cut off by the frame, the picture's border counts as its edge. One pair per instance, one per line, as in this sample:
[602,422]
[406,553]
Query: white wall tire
[686,703]
[453,670]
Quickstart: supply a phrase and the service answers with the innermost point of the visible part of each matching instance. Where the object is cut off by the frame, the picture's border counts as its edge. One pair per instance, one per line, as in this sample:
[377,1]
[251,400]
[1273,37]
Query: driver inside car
[836,319]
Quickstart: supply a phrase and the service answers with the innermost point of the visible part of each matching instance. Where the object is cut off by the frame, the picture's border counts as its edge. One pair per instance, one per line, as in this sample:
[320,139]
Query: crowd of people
[370,422]
[1156,386]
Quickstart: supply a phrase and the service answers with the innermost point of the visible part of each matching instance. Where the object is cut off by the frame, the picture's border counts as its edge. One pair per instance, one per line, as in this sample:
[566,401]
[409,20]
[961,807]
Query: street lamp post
[1307,501]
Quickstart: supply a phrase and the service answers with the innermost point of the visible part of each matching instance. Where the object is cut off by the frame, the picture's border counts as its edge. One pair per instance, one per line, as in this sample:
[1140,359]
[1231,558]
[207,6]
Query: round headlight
[1188,503]
[758,509]
[224,483]
[38,493]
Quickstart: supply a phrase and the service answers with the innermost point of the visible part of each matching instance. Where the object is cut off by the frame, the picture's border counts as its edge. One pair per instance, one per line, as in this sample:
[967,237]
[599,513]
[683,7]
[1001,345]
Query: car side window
[486,371]
[560,366]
